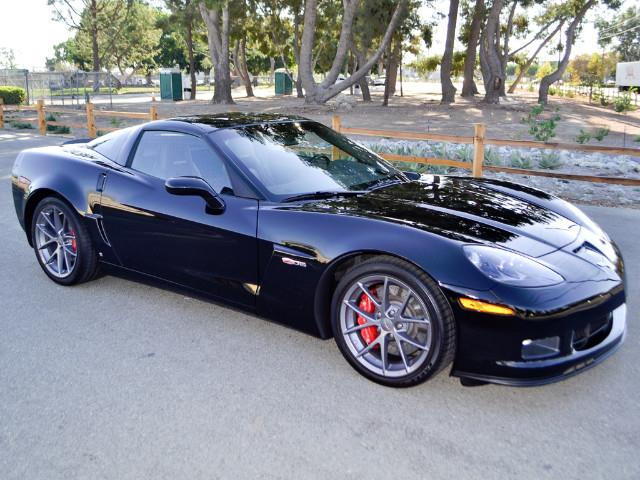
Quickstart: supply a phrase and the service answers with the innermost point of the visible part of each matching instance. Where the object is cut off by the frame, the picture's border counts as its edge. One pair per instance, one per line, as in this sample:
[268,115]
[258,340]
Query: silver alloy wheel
[402,323]
[55,240]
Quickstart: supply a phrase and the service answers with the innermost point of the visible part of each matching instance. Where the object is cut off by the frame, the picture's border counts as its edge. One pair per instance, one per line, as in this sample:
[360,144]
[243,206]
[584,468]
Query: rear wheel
[62,244]
[392,323]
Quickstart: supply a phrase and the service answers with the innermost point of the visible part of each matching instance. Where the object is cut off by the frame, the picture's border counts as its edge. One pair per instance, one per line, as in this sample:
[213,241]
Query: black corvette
[288,219]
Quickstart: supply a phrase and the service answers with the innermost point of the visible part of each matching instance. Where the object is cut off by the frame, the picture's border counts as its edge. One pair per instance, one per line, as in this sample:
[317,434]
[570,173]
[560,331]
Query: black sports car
[288,219]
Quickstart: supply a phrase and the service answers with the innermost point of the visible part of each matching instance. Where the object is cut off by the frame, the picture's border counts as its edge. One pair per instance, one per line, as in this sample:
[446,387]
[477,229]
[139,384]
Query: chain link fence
[76,87]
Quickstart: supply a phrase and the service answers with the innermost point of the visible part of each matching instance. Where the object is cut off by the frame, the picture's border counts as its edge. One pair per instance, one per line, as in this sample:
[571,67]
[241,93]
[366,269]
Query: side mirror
[196,186]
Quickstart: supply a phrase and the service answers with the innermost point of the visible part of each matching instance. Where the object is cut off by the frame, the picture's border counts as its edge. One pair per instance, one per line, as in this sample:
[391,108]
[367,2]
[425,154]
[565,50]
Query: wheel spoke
[48,220]
[42,229]
[385,294]
[406,338]
[402,355]
[46,244]
[357,328]
[368,348]
[369,294]
[384,352]
[60,261]
[70,252]
[405,303]
[53,256]
[367,316]
[422,321]
[66,260]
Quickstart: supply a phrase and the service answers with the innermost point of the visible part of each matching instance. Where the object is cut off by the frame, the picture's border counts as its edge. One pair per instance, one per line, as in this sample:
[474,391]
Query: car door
[175,237]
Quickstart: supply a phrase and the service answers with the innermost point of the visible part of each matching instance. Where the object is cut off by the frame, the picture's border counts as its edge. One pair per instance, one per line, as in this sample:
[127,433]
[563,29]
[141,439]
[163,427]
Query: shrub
[530,87]
[549,161]
[21,125]
[464,154]
[541,129]
[583,137]
[570,94]
[58,129]
[637,139]
[51,117]
[623,103]
[13,95]
[491,157]
[552,91]
[520,161]
[601,133]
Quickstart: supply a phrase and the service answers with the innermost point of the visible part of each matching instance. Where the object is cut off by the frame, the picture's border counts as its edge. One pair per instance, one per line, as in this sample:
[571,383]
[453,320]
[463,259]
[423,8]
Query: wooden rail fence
[479,140]
[90,114]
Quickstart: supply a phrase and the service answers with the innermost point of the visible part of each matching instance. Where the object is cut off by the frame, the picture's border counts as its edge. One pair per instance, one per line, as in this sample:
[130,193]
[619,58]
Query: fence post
[153,113]
[42,120]
[91,121]
[336,123]
[1,113]
[478,149]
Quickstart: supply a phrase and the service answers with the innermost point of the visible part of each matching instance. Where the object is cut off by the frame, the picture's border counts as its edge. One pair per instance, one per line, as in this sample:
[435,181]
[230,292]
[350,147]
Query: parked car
[379,82]
[288,219]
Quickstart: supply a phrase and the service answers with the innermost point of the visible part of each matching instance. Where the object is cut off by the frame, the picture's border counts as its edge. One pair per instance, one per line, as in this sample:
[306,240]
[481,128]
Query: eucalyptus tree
[470,35]
[573,12]
[185,14]
[448,89]
[329,87]
[217,17]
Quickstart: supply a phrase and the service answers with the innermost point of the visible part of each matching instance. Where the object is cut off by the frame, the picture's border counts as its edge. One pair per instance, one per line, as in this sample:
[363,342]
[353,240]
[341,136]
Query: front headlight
[511,268]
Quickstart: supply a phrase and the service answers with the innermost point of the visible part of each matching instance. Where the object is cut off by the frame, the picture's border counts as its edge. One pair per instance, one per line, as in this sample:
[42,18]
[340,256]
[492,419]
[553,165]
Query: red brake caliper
[73,241]
[369,334]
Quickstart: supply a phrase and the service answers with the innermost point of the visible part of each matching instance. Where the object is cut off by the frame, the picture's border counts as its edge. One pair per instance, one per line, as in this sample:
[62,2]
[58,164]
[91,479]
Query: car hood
[466,210]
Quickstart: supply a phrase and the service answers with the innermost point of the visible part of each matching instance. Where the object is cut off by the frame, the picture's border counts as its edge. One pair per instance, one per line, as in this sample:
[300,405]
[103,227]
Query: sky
[28,29]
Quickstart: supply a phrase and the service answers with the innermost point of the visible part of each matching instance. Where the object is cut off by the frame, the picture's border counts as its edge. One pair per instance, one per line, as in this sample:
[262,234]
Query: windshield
[305,157]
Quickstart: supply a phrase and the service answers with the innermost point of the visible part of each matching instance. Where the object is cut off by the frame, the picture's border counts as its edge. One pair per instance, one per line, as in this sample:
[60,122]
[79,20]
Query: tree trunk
[392,69]
[192,61]
[448,89]
[320,93]
[361,58]
[504,57]
[531,59]
[469,88]
[489,58]
[218,38]
[547,81]
[243,71]
[296,51]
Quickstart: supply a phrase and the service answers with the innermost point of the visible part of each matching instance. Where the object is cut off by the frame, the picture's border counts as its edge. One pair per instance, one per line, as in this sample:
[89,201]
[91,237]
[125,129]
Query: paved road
[118,380]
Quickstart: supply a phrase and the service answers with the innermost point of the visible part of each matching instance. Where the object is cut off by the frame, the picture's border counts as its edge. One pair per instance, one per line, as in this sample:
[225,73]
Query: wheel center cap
[387,324]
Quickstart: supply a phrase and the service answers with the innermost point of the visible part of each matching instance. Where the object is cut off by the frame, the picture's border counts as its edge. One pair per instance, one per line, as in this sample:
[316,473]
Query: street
[119,380]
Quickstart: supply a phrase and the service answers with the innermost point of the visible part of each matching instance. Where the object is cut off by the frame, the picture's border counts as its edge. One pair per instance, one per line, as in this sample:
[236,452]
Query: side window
[111,144]
[172,154]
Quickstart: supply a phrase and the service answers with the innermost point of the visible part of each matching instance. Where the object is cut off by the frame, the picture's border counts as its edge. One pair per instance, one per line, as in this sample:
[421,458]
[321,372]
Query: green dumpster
[284,85]
[170,84]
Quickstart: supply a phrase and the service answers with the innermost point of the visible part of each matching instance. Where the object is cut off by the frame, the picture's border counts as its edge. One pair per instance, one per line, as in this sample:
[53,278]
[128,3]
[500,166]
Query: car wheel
[62,244]
[392,323]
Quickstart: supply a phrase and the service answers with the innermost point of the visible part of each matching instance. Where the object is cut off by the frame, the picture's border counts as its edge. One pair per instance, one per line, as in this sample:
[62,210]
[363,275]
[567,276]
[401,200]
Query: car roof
[217,121]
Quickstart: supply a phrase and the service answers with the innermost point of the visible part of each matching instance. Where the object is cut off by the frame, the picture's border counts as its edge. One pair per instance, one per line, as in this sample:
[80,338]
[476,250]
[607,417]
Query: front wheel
[392,323]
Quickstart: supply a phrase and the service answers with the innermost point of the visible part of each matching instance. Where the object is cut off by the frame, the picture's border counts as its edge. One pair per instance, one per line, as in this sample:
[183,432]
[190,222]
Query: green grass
[44,92]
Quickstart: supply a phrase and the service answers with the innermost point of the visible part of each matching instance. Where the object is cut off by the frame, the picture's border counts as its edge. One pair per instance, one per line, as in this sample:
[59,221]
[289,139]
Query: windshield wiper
[324,194]
[385,182]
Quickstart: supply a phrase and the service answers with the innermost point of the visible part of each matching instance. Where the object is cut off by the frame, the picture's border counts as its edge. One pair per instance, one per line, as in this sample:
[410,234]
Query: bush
[552,91]
[21,125]
[623,104]
[637,139]
[541,129]
[549,161]
[58,129]
[13,95]
[570,94]
[583,137]
[520,161]
[51,117]
[601,133]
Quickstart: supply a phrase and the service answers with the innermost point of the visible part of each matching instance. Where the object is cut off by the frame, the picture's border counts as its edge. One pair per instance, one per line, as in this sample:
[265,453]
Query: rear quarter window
[112,144]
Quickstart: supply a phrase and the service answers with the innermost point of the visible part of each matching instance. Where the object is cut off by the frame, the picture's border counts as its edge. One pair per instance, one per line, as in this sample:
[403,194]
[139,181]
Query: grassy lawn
[44,92]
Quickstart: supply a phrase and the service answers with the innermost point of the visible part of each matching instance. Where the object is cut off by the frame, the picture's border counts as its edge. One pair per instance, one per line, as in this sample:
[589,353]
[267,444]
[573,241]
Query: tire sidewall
[83,248]
[432,363]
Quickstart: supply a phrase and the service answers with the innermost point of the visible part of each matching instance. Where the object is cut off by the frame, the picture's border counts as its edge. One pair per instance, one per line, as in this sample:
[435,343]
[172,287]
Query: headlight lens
[511,268]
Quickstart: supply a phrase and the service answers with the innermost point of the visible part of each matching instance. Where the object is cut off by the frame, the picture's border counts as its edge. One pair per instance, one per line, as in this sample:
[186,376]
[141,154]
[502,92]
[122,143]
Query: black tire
[442,330]
[86,264]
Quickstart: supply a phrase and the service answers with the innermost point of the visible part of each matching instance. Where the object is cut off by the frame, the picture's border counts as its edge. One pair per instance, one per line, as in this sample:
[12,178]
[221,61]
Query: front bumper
[541,372]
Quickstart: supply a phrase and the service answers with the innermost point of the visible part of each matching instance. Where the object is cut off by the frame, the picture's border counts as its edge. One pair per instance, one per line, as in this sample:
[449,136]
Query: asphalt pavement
[118,380]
